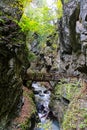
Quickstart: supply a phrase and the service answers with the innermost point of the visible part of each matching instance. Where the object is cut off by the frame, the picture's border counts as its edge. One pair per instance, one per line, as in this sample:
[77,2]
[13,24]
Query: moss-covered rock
[62,95]
[67,89]
[76,115]
[28,114]
[12,59]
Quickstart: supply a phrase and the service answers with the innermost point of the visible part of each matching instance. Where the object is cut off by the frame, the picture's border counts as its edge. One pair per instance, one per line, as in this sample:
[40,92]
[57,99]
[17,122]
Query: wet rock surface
[46,116]
[73,38]
[62,95]
[46,55]
[73,60]
[11,62]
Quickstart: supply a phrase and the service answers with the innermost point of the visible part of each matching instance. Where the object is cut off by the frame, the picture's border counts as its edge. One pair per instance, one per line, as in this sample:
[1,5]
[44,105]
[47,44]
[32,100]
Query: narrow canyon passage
[42,99]
[43,42]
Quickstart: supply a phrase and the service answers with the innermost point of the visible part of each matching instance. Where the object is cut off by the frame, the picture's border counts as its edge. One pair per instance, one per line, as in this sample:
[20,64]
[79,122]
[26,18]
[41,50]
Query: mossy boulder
[62,95]
[76,115]
[67,89]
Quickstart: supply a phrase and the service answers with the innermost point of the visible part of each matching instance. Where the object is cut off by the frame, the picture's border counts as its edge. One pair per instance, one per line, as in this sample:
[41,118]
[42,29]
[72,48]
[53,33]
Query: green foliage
[27,24]
[31,56]
[59,8]
[54,46]
[25,125]
[82,125]
[41,19]
[38,20]
[46,126]
[1,20]
[24,2]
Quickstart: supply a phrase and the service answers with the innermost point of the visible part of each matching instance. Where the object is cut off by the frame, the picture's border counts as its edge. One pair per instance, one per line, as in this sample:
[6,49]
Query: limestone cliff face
[43,56]
[11,61]
[73,37]
[73,59]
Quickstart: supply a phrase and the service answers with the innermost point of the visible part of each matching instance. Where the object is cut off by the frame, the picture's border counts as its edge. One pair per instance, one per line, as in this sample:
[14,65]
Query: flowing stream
[42,99]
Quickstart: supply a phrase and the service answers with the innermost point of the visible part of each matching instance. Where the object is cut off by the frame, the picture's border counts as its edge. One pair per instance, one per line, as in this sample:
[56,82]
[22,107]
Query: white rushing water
[42,99]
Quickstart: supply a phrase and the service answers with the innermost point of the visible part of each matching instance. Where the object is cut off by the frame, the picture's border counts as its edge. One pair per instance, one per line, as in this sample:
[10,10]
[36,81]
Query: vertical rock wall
[73,59]
[11,61]
[73,37]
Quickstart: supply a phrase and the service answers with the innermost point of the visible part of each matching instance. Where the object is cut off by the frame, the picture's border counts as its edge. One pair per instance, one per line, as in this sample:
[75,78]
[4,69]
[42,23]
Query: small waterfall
[42,99]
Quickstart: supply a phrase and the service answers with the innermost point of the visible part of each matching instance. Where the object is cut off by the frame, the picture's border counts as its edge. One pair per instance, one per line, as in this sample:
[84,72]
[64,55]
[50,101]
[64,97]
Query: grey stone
[12,57]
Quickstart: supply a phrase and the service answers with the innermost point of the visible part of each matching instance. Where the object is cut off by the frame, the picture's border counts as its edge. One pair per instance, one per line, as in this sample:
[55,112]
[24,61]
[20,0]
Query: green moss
[66,1]
[29,82]
[66,89]
[31,56]
[1,13]
[27,123]
[1,20]
[46,126]
[54,46]
[76,116]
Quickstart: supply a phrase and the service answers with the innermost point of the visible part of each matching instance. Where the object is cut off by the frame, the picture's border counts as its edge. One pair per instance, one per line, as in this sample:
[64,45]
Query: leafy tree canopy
[40,18]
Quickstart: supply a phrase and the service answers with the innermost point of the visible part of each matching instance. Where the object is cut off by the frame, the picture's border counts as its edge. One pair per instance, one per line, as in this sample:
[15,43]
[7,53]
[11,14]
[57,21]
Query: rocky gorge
[64,52]
[73,60]
[12,53]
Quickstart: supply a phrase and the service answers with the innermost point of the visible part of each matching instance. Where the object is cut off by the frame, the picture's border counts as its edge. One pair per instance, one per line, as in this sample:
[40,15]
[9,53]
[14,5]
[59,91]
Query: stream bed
[42,100]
